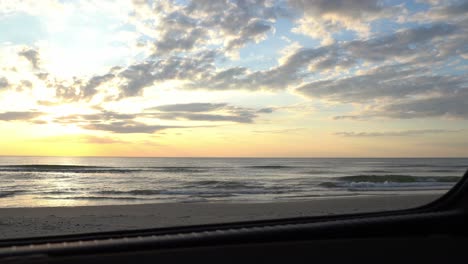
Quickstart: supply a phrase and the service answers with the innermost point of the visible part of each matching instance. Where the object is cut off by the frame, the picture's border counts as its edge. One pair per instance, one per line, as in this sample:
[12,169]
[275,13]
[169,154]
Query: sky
[234,78]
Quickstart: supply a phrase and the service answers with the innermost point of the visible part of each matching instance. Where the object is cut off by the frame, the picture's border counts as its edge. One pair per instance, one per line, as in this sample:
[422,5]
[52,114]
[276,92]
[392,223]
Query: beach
[51,221]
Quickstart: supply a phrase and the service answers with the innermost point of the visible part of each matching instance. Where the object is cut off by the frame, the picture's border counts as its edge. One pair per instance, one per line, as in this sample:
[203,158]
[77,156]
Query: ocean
[74,181]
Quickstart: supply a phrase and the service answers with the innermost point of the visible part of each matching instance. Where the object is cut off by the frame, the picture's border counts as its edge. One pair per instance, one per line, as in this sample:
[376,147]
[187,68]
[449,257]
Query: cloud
[100,140]
[18,116]
[204,112]
[47,103]
[4,82]
[424,44]
[322,18]
[393,75]
[402,85]
[191,107]
[88,90]
[127,127]
[79,89]
[455,9]
[451,105]
[403,43]
[403,133]
[127,123]
[144,74]
[267,110]
[240,117]
[276,78]
[306,62]
[442,11]
[97,118]
[32,56]
[349,117]
[214,112]
[395,81]
[183,26]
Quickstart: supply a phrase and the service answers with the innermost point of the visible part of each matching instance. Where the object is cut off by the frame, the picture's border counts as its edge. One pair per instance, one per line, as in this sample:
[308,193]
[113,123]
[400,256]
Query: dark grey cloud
[88,90]
[354,9]
[394,81]
[32,56]
[240,117]
[457,8]
[403,133]
[248,33]
[291,71]
[452,105]
[444,10]
[127,127]
[79,89]
[18,116]
[192,111]
[409,42]
[321,19]
[179,32]
[194,23]
[103,116]
[65,91]
[144,74]
[239,21]
[130,122]
[42,75]
[26,84]
[349,117]
[267,110]
[191,107]
[4,82]
[204,112]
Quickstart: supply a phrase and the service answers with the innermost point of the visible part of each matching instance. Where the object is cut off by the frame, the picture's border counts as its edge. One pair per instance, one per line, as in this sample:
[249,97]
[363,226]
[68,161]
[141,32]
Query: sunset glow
[282,78]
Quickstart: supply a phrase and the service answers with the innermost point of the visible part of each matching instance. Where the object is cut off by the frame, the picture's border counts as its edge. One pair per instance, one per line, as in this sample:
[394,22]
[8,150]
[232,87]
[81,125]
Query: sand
[49,221]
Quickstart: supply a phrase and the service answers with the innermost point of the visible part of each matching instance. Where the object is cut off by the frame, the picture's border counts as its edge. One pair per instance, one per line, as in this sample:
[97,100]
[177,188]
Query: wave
[378,171]
[392,182]
[202,190]
[319,172]
[443,170]
[97,169]
[91,198]
[399,178]
[269,167]
[465,166]
[178,169]
[64,168]
[220,184]
[4,194]
[131,192]
[58,192]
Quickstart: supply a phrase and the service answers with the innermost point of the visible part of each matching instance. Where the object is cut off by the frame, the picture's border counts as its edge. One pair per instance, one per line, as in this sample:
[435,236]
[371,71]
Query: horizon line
[246,157]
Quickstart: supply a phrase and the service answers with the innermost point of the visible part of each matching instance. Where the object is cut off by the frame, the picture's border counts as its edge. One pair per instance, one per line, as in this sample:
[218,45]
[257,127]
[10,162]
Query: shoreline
[50,221]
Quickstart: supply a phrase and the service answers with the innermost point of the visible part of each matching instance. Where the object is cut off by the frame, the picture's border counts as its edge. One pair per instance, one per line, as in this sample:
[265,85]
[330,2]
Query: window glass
[119,115]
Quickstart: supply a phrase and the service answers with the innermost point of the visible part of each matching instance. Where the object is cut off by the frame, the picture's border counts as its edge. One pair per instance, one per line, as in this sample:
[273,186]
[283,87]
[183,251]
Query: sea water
[71,181]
